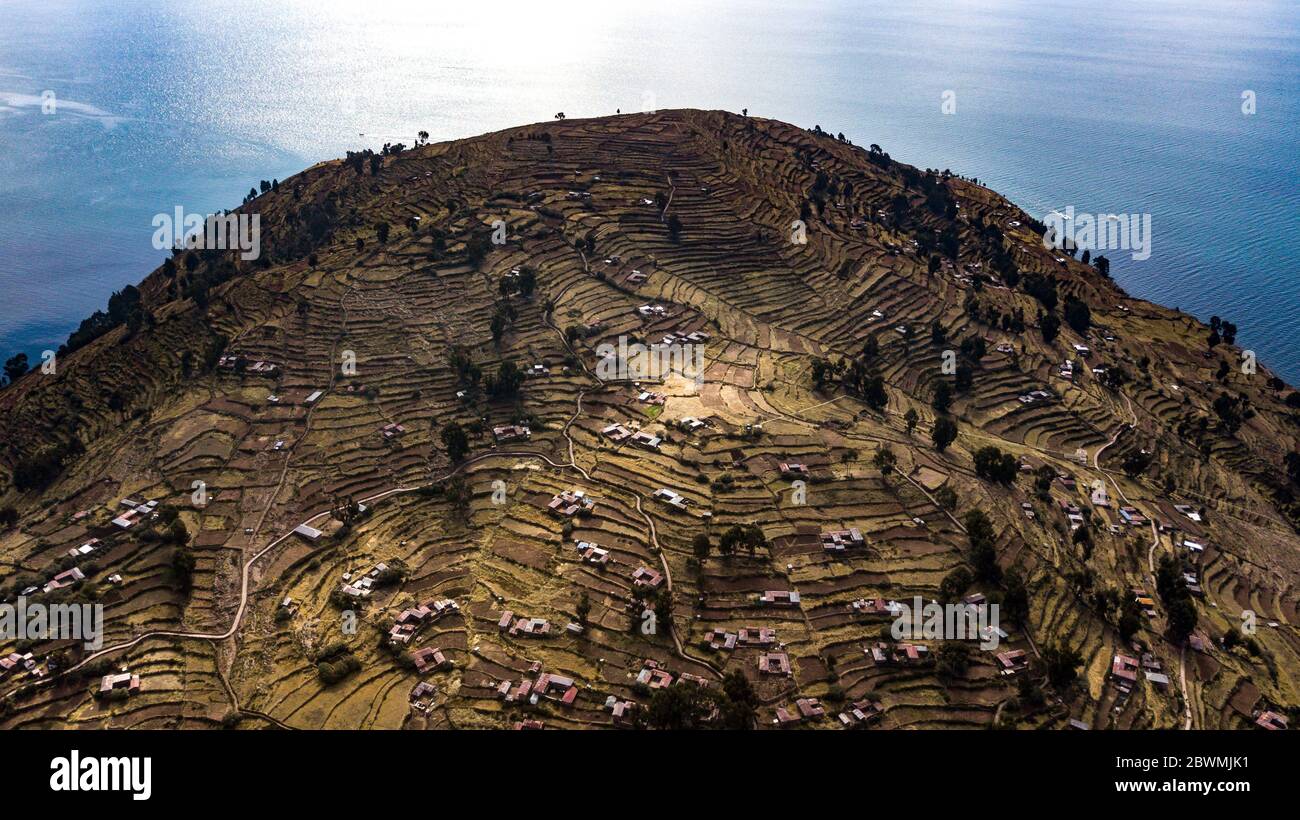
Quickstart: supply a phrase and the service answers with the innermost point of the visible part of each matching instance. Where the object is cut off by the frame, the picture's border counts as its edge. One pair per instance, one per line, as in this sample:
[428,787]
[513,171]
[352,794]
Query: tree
[1136,463]
[1130,619]
[1182,619]
[885,460]
[345,509]
[583,608]
[178,533]
[674,228]
[873,393]
[477,248]
[1050,327]
[457,491]
[686,705]
[965,377]
[1043,478]
[952,660]
[507,381]
[738,712]
[456,441]
[16,366]
[1042,288]
[1178,603]
[1228,410]
[991,464]
[1062,665]
[1083,536]
[870,348]
[942,399]
[527,282]
[681,706]
[1223,371]
[467,373]
[1169,578]
[700,546]
[1077,314]
[663,606]
[395,573]
[978,526]
[749,536]
[946,497]
[1015,597]
[944,433]
[823,372]
[910,418]
[983,552]
[726,546]
[183,569]
[954,584]
[381,229]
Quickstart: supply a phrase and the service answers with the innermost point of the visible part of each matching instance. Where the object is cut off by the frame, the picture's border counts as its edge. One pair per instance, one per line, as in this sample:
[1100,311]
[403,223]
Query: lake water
[1100,105]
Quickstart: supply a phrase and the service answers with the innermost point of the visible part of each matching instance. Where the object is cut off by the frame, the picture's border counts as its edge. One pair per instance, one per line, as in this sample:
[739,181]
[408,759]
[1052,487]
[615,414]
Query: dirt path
[1182,684]
[248,565]
[1151,557]
[650,524]
[1096,457]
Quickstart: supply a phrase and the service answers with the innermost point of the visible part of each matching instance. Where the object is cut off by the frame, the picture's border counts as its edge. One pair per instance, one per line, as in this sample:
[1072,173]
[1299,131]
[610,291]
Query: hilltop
[370,376]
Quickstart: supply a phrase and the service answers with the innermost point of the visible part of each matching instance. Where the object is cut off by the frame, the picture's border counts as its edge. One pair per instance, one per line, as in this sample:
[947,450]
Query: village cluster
[488,521]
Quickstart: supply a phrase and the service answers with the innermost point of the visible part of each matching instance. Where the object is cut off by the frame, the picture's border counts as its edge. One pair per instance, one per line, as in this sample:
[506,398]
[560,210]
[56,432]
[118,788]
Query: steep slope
[382,286]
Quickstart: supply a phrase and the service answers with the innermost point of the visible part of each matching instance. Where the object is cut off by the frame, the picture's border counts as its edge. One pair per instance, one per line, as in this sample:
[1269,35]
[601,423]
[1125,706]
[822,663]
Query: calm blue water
[1098,105]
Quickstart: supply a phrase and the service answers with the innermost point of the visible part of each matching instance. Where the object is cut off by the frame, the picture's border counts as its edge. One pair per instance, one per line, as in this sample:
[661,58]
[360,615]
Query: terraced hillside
[679,547]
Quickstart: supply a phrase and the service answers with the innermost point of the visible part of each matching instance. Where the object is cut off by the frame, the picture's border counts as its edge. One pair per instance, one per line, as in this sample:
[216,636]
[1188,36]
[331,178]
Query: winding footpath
[1151,555]
[248,565]
[246,572]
